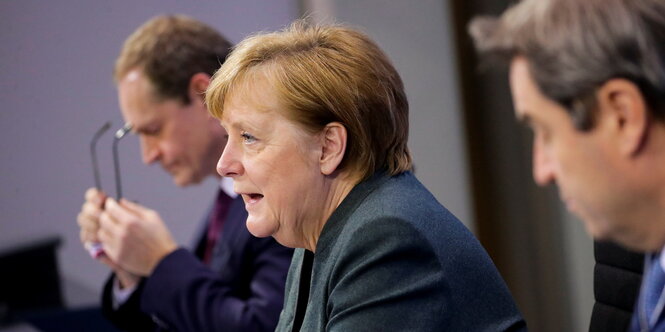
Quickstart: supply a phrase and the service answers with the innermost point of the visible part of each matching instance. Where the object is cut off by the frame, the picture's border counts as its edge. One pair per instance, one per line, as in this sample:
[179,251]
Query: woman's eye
[248,138]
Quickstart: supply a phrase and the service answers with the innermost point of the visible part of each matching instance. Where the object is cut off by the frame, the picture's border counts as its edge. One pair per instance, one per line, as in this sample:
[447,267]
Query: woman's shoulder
[403,194]
[404,200]
[398,212]
[403,210]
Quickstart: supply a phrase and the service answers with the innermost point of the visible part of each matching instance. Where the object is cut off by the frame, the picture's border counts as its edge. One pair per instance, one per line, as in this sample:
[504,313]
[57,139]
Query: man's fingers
[95,196]
[91,210]
[104,236]
[110,243]
[86,224]
[114,223]
[119,212]
[89,213]
[109,225]
[87,236]
[134,207]
[91,193]
[82,219]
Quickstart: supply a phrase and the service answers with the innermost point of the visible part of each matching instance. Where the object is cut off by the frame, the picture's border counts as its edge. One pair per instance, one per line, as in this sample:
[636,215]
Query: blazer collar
[338,219]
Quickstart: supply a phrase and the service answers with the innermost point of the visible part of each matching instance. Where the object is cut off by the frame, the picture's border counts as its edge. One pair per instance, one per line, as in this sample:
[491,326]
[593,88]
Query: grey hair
[574,46]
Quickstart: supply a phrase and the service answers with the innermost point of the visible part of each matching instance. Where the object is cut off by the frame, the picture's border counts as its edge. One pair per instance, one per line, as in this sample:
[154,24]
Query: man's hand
[88,218]
[134,237]
[126,279]
[88,221]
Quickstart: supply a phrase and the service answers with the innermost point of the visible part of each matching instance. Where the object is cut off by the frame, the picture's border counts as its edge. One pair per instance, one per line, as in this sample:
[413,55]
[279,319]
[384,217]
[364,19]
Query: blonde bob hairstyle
[322,74]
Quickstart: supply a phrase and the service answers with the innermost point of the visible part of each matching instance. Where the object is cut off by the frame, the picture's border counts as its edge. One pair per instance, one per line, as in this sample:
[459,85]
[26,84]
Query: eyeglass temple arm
[116,162]
[93,153]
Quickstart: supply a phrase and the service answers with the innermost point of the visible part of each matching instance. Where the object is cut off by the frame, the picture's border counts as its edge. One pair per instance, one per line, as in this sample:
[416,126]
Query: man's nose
[149,151]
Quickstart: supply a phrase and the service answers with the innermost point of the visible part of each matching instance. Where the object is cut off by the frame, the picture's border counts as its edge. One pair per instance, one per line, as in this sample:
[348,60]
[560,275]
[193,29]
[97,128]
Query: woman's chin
[259,228]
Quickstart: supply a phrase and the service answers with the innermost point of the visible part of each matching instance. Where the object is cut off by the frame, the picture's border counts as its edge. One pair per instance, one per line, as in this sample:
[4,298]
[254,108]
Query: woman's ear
[197,86]
[333,147]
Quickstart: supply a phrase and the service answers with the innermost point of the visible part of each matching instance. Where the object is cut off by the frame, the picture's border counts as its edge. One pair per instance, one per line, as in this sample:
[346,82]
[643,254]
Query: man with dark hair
[588,76]
[231,281]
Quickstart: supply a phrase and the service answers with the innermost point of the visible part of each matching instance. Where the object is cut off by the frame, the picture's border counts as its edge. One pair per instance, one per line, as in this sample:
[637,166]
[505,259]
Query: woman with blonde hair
[318,126]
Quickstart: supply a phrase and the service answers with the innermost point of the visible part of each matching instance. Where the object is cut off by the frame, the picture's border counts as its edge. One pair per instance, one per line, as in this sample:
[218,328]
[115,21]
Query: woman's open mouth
[251,198]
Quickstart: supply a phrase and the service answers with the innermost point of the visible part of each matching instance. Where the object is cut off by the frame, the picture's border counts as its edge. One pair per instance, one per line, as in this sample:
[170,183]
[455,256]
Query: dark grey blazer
[391,258]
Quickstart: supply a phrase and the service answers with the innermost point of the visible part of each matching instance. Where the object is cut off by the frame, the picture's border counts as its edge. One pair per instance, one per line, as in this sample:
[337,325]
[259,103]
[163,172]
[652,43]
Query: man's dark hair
[574,46]
[169,50]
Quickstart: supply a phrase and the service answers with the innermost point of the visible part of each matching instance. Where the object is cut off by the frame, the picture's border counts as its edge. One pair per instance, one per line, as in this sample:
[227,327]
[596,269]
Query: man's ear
[622,102]
[333,147]
[198,85]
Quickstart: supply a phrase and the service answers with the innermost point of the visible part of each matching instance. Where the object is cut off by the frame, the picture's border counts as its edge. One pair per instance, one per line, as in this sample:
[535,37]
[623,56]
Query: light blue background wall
[56,89]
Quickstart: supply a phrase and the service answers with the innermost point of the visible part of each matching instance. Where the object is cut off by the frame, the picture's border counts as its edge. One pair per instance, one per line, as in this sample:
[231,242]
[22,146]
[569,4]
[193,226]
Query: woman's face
[275,167]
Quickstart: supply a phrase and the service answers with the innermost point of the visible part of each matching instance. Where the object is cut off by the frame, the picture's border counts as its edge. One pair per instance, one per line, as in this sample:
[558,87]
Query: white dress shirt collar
[226,184]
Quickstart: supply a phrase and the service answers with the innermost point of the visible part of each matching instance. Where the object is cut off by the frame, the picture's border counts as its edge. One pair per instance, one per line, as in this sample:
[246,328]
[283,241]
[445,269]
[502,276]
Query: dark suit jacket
[616,284]
[391,258]
[241,290]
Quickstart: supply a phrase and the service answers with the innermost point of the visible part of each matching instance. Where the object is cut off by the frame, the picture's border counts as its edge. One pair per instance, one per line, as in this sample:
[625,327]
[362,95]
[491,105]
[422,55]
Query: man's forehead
[519,73]
[522,85]
[138,103]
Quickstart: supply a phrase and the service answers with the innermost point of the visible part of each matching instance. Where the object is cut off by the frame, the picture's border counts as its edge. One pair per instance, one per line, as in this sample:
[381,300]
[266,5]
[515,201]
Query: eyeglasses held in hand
[96,249]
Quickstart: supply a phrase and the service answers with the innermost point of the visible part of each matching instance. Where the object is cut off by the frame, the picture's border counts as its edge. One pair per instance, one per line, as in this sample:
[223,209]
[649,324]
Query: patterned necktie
[215,224]
[654,282]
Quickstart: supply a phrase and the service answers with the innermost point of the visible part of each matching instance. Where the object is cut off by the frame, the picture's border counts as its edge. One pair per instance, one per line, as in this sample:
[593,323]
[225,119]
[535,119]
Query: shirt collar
[226,184]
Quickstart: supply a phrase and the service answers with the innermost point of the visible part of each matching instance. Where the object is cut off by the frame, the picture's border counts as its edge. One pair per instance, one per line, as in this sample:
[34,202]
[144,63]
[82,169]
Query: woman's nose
[229,164]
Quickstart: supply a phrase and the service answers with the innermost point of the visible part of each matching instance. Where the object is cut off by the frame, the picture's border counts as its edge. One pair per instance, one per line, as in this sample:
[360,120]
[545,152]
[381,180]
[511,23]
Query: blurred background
[56,90]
